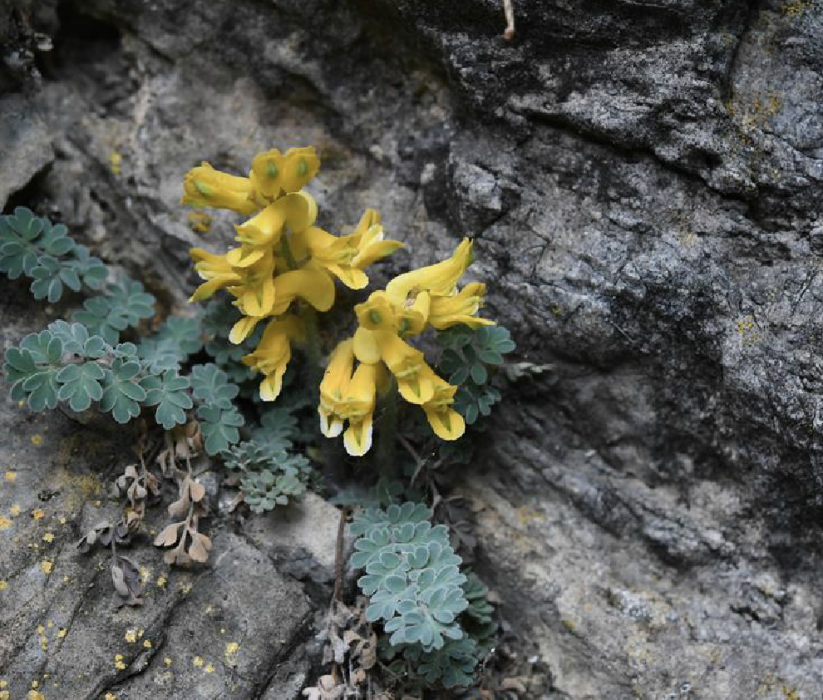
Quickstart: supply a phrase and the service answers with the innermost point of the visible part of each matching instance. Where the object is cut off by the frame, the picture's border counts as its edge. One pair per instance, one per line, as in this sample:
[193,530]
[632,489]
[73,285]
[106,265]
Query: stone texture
[643,180]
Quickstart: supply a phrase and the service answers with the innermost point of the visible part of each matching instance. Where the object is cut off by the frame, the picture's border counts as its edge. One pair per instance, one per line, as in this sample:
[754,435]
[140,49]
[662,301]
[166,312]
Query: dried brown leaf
[196,491]
[168,535]
[200,546]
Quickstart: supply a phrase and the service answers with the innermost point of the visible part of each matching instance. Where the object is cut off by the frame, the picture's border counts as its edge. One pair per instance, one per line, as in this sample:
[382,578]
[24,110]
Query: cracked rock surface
[643,180]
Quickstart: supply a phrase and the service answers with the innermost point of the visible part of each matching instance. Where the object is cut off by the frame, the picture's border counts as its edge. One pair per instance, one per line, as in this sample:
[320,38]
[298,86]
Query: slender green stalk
[387,435]
[309,316]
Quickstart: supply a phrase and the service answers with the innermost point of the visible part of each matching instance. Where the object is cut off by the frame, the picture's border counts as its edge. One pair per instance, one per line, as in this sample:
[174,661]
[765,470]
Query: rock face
[643,180]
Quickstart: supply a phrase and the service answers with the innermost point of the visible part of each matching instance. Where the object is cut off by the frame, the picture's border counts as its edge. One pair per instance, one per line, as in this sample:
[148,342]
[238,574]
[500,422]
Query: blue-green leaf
[169,394]
[122,393]
[80,385]
[219,427]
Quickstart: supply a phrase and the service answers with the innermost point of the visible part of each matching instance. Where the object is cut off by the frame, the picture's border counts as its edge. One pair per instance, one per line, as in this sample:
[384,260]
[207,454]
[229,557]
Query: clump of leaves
[269,473]
[32,246]
[412,579]
[137,485]
[469,359]
[351,646]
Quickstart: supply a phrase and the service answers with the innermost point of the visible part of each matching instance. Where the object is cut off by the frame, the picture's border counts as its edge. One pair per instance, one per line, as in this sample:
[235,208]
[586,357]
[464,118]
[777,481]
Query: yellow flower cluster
[282,256]
[410,304]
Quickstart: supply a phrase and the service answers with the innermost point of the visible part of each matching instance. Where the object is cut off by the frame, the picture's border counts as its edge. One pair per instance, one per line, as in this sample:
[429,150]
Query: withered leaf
[126,579]
[168,535]
[196,490]
[200,547]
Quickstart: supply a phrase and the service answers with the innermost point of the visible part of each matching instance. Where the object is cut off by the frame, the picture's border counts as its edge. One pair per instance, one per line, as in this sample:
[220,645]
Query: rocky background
[643,180]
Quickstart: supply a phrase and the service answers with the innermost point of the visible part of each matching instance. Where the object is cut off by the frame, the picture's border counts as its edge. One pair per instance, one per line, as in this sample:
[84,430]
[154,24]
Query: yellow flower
[334,388]
[446,312]
[377,313]
[273,172]
[256,293]
[308,283]
[358,409]
[439,279]
[407,364]
[215,269]
[371,246]
[298,211]
[272,355]
[347,256]
[206,187]
[447,423]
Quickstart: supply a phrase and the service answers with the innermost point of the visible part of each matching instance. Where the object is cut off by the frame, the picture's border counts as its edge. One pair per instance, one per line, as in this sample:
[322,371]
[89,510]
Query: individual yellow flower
[358,409]
[307,283]
[347,256]
[273,172]
[439,279]
[206,187]
[216,270]
[298,211]
[446,423]
[370,246]
[378,313]
[272,354]
[460,308]
[334,387]
[256,295]
[335,253]
[407,364]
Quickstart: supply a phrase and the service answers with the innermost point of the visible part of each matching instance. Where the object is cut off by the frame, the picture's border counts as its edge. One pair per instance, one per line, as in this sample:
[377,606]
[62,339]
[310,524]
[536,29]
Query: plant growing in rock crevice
[207,382]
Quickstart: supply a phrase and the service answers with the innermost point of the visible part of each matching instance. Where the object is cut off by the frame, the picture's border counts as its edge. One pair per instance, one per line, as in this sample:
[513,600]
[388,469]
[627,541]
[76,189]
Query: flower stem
[388,433]
[309,316]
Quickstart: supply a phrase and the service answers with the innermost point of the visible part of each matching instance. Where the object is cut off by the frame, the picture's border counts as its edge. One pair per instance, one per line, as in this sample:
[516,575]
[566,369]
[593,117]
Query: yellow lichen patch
[63,520]
[167,661]
[790,693]
[35,695]
[119,664]
[62,632]
[4,695]
[161,581]
[38,514]
[115,162]
[10,476]
[37,440]
[3,585]
[110,696]
[48,537]
[46,566]
[41,630]
[5,522]
[199,221]
[147,643]
[232,648]
[209,668]
[796,7]
[15,510]
[131,636]
[197,661]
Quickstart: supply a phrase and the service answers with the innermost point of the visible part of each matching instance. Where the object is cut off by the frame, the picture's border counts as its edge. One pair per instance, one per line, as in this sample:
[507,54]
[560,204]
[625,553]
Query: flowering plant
[285,262]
